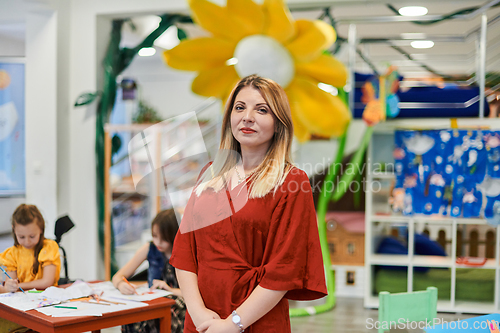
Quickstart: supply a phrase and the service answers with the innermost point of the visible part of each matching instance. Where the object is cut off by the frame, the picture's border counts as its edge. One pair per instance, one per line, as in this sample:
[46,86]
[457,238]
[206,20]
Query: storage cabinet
[404,265]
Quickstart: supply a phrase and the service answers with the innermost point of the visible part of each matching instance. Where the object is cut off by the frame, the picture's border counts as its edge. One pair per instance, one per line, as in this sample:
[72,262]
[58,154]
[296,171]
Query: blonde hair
[272,171]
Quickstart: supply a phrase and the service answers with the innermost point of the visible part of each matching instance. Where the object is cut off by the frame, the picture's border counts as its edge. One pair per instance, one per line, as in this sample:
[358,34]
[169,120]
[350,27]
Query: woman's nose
[248,116]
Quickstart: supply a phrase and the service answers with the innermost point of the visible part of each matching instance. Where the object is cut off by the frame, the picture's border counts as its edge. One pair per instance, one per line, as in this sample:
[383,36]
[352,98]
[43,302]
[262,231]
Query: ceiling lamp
[413,11]
[422,44]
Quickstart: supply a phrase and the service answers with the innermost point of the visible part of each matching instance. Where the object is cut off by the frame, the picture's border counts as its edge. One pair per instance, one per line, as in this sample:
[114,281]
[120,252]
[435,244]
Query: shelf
[431,261]
[425,218]
[389,259]
[391,125]
[490,264]
[381,221]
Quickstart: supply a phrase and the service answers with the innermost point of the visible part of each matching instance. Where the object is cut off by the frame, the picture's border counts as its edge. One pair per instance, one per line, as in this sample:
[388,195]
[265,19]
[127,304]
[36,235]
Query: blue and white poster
[12,145]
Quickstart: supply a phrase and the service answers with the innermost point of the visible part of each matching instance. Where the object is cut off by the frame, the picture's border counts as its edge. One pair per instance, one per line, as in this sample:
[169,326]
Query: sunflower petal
[249,14]
[312,38]
[216,82]
[279,21]
[326,69]
[216,19]
[299,130]
[199,53]
[321,112]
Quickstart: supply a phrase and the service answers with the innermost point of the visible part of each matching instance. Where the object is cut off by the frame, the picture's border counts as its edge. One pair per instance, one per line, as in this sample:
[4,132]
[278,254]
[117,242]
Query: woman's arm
[47,280]
[260,302]
[188,282]
[129,269]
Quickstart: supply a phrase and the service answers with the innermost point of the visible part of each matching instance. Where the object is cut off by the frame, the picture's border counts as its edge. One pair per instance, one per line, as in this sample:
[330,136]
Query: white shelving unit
[379,218]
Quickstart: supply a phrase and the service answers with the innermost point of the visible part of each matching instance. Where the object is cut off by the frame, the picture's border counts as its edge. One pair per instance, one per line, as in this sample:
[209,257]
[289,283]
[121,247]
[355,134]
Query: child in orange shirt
[33,261]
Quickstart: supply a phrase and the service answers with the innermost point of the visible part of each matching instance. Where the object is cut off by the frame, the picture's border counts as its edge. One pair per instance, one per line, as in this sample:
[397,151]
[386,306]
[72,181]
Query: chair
[400,308]
[63,225]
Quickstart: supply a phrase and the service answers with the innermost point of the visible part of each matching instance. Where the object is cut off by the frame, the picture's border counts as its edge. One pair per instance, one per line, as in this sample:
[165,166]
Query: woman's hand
[11,285]
[218,326]
[125,288]
[203,315]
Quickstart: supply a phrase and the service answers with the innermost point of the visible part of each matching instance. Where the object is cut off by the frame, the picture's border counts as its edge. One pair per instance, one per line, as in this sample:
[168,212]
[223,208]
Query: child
[160,273]
[33,261]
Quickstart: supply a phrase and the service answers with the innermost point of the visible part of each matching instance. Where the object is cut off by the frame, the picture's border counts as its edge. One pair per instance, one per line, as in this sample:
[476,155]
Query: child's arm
[129,269]
[47,280]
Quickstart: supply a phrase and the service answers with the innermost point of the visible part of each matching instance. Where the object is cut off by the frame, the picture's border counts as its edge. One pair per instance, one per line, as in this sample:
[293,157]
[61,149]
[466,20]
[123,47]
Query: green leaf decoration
[181,34]
[86,98]
[146,114]
[116,144]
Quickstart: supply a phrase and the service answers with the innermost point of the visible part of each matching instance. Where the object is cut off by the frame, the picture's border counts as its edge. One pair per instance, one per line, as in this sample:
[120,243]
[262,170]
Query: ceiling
[454,52]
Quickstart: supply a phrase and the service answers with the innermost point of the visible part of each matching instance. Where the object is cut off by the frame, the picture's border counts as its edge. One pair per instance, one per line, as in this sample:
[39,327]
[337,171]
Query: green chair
[396,309]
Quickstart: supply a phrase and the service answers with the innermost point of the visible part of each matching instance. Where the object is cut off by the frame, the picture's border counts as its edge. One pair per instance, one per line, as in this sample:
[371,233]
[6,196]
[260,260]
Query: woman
[248,240]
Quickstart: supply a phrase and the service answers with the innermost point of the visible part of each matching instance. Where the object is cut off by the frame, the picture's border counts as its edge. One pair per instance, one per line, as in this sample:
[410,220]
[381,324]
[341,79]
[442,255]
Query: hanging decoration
[251,38]
[379,95]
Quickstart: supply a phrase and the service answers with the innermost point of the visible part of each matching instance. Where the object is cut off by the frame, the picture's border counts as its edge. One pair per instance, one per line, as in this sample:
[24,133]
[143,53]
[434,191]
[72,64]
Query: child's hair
[167,224]
[24,215]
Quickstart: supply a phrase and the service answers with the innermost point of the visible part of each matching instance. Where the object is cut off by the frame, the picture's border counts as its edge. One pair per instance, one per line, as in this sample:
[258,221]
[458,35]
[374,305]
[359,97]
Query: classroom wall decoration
[12,160]
[251,38]
[450,172]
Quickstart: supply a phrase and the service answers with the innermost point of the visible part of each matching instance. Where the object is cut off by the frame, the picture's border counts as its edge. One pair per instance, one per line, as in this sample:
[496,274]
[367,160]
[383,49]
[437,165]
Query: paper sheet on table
[76,290]
[88,309]
[109,291]
[26,301]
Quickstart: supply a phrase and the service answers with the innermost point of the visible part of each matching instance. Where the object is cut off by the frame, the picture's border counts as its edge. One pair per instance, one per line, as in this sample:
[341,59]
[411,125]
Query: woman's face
[27,235]
[252,122]
[161,244]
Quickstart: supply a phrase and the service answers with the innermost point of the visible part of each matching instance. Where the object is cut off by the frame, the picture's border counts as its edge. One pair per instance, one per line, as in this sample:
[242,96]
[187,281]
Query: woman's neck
[251,159]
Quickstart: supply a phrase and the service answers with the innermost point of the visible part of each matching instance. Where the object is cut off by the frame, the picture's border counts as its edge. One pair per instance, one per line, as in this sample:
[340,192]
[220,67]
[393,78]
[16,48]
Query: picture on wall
[12,127]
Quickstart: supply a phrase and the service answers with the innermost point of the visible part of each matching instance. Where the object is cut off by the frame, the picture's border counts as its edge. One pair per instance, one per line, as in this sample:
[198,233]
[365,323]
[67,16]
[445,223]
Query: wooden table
[157,308]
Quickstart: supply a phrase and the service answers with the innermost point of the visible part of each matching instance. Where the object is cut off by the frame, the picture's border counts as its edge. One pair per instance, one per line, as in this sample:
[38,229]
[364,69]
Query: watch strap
[236,319]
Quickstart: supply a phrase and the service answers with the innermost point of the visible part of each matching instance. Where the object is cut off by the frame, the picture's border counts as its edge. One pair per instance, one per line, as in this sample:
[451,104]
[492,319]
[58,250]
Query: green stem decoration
[115,62]
[322,208]
[353,167]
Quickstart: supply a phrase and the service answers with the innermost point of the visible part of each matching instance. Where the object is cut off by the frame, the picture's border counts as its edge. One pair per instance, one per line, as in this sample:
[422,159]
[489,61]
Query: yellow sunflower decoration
[251,38]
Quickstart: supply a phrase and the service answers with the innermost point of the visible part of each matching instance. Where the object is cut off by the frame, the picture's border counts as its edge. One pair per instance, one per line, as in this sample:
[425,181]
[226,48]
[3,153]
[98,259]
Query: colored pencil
[130,284]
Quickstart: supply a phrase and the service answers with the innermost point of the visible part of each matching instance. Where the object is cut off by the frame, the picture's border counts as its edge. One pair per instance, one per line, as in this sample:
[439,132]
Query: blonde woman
[248,239]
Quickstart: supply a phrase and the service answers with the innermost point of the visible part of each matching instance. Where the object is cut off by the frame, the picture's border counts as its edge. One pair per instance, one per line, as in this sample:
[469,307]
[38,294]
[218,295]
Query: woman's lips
[247,130]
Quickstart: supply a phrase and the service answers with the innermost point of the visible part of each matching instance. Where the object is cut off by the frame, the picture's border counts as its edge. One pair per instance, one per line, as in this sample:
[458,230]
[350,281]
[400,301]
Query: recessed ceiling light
[422,44]
[413,11]
[147,51]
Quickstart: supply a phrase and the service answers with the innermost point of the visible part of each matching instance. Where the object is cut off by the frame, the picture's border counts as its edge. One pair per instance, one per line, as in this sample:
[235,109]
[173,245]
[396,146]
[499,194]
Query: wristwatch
[237,321]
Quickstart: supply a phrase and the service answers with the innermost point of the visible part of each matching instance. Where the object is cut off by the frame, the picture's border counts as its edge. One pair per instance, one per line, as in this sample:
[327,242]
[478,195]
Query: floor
[349,315]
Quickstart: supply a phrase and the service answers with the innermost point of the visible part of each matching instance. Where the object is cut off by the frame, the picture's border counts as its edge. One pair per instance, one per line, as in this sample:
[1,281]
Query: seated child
[33,261]
[160,273]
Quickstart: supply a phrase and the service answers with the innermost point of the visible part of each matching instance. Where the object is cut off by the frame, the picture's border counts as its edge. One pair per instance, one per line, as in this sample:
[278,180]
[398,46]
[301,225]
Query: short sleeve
[49,255]
[8,258]
[293,260]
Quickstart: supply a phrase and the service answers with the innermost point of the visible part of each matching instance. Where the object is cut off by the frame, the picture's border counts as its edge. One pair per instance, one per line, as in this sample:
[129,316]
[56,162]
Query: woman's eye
[238,107]
[263,110]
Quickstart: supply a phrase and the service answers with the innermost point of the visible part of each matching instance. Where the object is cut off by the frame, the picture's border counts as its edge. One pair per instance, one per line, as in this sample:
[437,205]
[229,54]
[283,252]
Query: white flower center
[263,55]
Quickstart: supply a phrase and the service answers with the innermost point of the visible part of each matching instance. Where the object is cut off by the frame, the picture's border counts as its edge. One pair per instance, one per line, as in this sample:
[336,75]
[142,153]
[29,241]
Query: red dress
[271,241]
